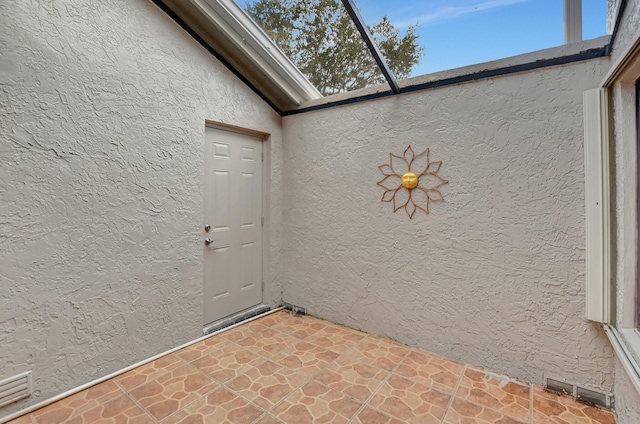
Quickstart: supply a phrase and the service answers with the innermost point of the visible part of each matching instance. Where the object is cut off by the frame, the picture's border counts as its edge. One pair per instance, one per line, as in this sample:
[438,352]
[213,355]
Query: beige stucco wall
[493,276]
[101,180]
[627,406]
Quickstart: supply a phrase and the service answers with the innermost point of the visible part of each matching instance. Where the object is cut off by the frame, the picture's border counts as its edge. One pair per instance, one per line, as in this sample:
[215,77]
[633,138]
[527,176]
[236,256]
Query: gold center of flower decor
[409,180]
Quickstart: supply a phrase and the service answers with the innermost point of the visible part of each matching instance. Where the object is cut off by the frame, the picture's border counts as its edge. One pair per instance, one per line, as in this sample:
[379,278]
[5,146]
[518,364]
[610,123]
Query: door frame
[265,201]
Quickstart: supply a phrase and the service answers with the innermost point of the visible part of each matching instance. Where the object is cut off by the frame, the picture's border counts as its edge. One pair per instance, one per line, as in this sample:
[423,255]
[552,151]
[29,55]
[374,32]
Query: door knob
[208,241]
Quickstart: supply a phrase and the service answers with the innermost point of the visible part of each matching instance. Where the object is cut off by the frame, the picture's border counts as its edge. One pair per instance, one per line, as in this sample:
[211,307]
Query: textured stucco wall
[629,25]
[493,276]
[101,166]
[627,406]
[612,6]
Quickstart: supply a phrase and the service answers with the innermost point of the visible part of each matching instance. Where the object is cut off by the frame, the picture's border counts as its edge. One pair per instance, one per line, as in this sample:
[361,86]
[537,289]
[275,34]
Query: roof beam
[373,47]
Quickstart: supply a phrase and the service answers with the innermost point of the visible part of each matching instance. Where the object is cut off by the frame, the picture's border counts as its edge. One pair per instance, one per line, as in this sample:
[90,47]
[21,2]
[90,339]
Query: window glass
[322,41]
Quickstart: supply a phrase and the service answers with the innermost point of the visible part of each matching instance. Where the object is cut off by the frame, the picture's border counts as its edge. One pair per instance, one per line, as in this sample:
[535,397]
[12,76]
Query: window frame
[623,85]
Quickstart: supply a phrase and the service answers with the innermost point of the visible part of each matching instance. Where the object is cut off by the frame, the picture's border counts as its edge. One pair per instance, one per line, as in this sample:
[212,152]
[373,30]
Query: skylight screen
[455,33]
[321,40]
[415,37]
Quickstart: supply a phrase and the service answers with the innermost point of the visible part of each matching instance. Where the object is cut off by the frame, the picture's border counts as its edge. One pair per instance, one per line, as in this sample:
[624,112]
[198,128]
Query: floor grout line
[127,394]
[373,393]
[453,394]
[530,403]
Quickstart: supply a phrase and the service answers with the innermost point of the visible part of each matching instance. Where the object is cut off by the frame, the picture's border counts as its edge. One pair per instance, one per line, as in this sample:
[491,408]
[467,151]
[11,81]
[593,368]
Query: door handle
[208,241]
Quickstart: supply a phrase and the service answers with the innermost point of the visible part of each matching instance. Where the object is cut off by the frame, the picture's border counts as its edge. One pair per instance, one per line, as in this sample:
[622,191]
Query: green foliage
[322,41]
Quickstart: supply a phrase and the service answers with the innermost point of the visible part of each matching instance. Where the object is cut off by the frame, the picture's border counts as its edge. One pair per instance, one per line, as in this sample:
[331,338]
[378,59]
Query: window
[623,85]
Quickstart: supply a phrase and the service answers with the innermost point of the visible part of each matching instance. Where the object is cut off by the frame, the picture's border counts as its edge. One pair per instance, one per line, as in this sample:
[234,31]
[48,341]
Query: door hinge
[262,156]
[262,221]
[263,286]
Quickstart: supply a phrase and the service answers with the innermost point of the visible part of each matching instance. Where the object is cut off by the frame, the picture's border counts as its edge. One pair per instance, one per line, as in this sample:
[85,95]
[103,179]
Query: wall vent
[583,394]
[295,309]
[15,388]
[591,396]
[559,386]
[234,319]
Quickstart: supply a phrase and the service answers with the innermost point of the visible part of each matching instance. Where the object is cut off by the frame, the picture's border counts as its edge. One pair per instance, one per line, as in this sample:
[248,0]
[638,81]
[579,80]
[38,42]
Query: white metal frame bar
[572,21]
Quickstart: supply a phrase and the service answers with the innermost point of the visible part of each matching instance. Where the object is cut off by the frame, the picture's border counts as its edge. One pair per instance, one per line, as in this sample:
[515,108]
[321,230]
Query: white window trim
[625,342]
[620,82]
[249,38]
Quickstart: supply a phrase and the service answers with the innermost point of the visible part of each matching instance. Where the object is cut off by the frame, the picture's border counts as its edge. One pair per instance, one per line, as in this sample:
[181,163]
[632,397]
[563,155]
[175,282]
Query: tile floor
[299,369]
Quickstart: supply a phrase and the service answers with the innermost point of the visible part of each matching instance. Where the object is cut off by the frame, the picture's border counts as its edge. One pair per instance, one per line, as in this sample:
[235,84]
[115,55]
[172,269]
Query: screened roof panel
[455,33]
[292,52]
[320,38]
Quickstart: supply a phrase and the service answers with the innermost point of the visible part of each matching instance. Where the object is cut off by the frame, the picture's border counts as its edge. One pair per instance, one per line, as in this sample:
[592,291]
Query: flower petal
[420,163]
[386,170]
[400,199]
[420,198]
[390,182]
[434,194]
[398,164]
[433,167]
[409,158]
[389,195]
[410,209]
[431,181]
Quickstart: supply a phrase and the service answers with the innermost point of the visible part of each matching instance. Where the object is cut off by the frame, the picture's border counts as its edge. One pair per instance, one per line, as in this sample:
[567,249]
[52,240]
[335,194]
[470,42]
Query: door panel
[233,209]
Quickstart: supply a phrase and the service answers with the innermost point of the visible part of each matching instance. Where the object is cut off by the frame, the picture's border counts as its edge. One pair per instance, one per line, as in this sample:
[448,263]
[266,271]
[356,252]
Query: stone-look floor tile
[431,370]
[301,326]
[276,318]
[201,349]
[371,416]
[266,384]
[338,339]
[378,351]
[218,407]
[356,379]
[409,401]
[120,410]
[316,403]
[553,408]
[463,412]
[238,333]
[267,343]
[228,362]
[173,391]
[305,358]
[268,419]
[148,372]
[25,419]
[320,373]
[77,404]
[498,393]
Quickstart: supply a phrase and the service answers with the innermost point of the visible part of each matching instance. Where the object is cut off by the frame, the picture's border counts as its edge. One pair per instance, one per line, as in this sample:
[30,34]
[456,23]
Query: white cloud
[452,12]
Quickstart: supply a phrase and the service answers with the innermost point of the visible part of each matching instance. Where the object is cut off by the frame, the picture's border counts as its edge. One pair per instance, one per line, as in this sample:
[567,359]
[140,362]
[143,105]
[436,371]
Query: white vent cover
[15,388]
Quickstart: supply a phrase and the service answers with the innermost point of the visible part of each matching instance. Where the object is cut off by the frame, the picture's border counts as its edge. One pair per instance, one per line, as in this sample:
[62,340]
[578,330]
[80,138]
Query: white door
[233,217]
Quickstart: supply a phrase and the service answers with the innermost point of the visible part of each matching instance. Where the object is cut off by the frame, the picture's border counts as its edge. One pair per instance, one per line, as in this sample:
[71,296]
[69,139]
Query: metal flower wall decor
[411,181]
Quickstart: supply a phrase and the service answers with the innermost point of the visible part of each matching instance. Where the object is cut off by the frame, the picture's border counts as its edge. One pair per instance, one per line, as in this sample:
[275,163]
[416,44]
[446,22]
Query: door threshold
[235,318]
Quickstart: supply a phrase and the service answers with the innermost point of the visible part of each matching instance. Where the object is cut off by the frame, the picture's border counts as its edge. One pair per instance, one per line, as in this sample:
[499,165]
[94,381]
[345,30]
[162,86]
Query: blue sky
[462,32]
